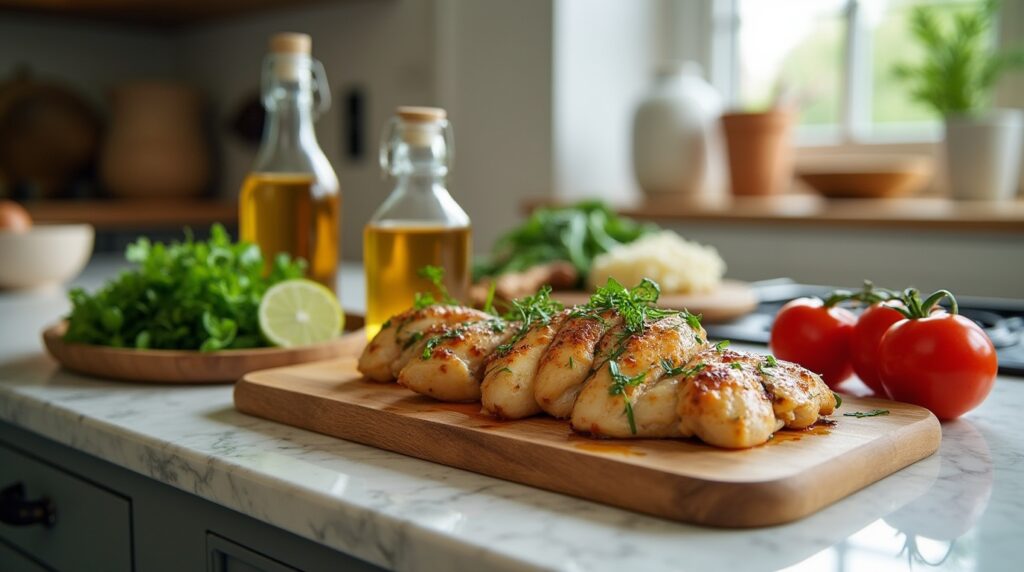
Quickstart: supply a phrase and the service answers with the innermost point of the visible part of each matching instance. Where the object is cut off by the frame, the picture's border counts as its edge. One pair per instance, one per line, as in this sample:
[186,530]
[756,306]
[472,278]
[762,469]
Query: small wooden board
[185,367]
[794,475]
[731,300]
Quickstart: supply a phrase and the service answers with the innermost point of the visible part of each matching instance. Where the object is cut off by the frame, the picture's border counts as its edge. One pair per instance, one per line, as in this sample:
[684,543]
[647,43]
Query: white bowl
[45,255]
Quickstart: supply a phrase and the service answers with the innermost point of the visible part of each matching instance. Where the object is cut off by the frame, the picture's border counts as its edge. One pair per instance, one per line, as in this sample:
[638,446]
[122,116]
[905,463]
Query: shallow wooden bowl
[866,177]
[180,366]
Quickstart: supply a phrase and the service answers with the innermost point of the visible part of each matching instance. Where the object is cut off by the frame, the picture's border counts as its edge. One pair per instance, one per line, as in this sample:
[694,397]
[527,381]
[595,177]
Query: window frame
[721,38]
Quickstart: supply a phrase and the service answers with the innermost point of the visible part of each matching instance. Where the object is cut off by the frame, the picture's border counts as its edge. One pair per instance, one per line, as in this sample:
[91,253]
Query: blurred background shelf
[806,210]
[117,215]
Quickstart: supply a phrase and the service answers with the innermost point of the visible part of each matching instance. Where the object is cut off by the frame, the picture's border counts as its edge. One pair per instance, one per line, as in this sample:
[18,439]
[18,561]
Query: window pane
[795,44]
[888,22]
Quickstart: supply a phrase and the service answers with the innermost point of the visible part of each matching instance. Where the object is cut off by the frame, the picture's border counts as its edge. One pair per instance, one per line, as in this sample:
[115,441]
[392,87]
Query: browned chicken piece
[722,402]
[623,398]
[448,365]
[799,397]
[507,390]
[404,330]
[568,360]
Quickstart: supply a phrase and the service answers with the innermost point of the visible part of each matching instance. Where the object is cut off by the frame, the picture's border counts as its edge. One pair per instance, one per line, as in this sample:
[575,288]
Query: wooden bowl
[45,255]
[866,176]
[183,366]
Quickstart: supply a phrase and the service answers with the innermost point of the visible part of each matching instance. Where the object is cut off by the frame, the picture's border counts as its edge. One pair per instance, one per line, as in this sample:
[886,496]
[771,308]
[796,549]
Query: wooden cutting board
[731,300]
[794,475]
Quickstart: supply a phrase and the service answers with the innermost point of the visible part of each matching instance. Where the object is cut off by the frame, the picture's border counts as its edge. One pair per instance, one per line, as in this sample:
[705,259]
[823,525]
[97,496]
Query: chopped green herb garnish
[862,414]
[570,362]
[771,361]
[839,400]
[736,365]
[635,305]
[489,302]
[505,369]
[530,312]
[693,320]
[698,339]
[386,324]
[436,276]
[681,370]
[619,384]
[495,324]
[415,337]
[720,346]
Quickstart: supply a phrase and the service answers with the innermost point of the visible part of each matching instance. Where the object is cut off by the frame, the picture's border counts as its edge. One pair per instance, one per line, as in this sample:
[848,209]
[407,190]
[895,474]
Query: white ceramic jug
[677,144]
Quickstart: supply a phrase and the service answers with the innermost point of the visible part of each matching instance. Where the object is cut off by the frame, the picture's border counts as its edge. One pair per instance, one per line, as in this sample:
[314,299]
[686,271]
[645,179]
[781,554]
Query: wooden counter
[925,213]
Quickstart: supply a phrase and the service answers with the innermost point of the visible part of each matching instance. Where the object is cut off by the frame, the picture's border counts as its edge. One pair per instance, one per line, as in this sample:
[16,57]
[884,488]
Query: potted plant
[955,78]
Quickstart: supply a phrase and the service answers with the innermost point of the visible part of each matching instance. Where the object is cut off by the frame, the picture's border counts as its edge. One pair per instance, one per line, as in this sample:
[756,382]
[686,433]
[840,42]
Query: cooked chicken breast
[568,360]
[798,396]
[616,391]
[449,364]
[722,402]
[507,390]
[378,356]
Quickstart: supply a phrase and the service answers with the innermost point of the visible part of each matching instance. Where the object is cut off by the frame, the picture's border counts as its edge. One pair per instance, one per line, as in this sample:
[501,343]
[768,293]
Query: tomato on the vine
[867,334]
[941,361]
[816,335]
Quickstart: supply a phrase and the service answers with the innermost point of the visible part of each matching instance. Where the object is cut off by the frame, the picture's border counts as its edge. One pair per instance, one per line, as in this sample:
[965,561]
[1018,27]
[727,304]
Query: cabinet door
[92,530]
[226,556]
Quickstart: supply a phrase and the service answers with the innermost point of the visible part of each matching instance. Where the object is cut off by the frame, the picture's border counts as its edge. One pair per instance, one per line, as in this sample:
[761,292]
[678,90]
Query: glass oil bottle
[420,223]
[290,202]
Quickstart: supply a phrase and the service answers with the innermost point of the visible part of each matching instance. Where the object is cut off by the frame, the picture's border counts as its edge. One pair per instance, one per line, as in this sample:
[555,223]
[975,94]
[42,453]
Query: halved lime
[300,312]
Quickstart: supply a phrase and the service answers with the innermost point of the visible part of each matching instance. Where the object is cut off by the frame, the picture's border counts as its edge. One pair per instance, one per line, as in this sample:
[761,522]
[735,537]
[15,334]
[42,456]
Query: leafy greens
[189,295]
[575,233]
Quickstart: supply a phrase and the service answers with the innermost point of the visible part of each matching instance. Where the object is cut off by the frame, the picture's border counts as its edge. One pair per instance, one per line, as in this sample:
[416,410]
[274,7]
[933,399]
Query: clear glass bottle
[419,223]
[290,202]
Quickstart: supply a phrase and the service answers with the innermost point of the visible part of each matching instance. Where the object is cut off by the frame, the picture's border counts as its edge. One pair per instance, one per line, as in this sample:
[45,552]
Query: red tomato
[816,337]
[871,325]
[944,362]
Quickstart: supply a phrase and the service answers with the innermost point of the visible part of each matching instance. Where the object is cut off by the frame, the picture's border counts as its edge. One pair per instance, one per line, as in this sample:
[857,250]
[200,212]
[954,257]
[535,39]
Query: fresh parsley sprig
[620,383]
[435,274]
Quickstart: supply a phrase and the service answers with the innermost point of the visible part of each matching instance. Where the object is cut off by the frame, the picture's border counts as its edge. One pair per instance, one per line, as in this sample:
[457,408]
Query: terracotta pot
[760,153]
[155,147]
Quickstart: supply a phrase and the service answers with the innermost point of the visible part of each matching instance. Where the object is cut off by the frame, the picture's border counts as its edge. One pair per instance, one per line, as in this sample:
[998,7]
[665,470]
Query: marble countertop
[957,510]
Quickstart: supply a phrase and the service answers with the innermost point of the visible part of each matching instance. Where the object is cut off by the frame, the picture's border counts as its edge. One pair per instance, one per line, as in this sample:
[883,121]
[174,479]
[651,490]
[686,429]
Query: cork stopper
[414,114]
[291,43]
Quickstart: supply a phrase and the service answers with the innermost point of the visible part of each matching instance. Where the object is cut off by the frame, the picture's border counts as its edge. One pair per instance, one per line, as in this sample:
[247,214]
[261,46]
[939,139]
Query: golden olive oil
[286,212]
[393,254]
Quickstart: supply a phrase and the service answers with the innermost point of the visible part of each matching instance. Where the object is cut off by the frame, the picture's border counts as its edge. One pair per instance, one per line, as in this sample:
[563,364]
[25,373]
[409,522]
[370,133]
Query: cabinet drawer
[93,526]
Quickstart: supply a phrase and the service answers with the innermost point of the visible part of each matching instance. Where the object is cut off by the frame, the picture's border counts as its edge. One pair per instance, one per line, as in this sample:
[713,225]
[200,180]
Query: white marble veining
[958,510]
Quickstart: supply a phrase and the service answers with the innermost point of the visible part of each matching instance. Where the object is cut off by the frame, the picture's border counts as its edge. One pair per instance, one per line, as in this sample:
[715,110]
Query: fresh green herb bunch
[190,295]
[576,233]
[959,68]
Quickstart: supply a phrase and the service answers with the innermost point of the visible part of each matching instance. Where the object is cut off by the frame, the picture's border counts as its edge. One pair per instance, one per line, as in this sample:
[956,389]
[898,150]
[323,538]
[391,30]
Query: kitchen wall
[91,57]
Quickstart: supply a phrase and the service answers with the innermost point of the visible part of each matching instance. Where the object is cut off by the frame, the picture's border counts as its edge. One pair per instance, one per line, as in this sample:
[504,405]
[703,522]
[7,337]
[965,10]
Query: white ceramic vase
[677,144]
[983,154]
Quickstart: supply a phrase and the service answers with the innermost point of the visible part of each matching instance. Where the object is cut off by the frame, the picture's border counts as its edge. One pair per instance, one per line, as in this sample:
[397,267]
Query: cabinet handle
[16,511]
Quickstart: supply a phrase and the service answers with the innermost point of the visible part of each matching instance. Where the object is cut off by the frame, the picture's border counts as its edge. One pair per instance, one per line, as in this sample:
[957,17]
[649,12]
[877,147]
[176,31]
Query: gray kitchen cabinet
[109,518]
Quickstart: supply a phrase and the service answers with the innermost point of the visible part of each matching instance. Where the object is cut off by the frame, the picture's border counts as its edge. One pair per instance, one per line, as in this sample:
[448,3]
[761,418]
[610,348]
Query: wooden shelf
[152,12]
[923,213]
[134,214]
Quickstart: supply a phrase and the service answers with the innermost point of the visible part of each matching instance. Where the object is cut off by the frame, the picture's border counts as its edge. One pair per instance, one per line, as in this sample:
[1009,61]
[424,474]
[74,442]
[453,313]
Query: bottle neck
[289,139]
